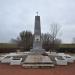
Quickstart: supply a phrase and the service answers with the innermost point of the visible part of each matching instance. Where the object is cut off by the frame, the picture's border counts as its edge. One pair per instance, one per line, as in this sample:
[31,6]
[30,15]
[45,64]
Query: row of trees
[49,41]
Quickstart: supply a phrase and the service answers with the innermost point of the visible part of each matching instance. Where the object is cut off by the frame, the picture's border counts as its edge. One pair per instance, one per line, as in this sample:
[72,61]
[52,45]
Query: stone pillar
[37,33]
[37,42]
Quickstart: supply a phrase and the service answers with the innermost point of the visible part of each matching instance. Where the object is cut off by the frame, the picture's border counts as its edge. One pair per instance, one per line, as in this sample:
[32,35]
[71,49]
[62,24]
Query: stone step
[37,65]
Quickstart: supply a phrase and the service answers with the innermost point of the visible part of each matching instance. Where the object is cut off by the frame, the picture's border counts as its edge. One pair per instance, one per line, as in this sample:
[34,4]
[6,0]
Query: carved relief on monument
[37,38]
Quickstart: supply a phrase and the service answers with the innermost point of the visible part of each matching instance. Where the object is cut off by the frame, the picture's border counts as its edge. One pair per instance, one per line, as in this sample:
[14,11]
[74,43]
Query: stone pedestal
[37,51]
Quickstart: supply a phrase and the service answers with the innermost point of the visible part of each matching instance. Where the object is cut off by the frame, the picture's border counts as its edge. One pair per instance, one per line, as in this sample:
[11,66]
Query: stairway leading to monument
[37,61]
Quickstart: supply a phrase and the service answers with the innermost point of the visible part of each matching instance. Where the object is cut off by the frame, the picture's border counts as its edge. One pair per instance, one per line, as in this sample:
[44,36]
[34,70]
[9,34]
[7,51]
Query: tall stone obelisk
[37,42]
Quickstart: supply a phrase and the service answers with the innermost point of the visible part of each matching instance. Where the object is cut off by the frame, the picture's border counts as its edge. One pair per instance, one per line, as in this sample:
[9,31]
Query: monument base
[37,58]
[37,51]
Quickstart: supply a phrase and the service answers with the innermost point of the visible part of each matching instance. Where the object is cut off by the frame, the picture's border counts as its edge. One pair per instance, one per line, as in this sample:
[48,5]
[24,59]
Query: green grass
[7,45]
[67,46]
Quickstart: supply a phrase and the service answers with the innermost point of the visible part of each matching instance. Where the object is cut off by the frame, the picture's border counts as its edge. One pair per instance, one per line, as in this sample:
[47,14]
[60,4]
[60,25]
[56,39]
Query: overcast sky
[18,15]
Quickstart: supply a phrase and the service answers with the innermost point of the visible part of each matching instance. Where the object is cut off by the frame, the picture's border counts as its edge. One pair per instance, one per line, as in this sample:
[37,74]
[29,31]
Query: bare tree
[24,40]
[54,30]
[47,42]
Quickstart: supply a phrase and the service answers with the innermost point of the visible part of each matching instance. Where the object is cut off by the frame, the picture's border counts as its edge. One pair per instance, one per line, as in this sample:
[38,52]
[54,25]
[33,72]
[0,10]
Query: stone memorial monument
[37,43]
[37,56]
